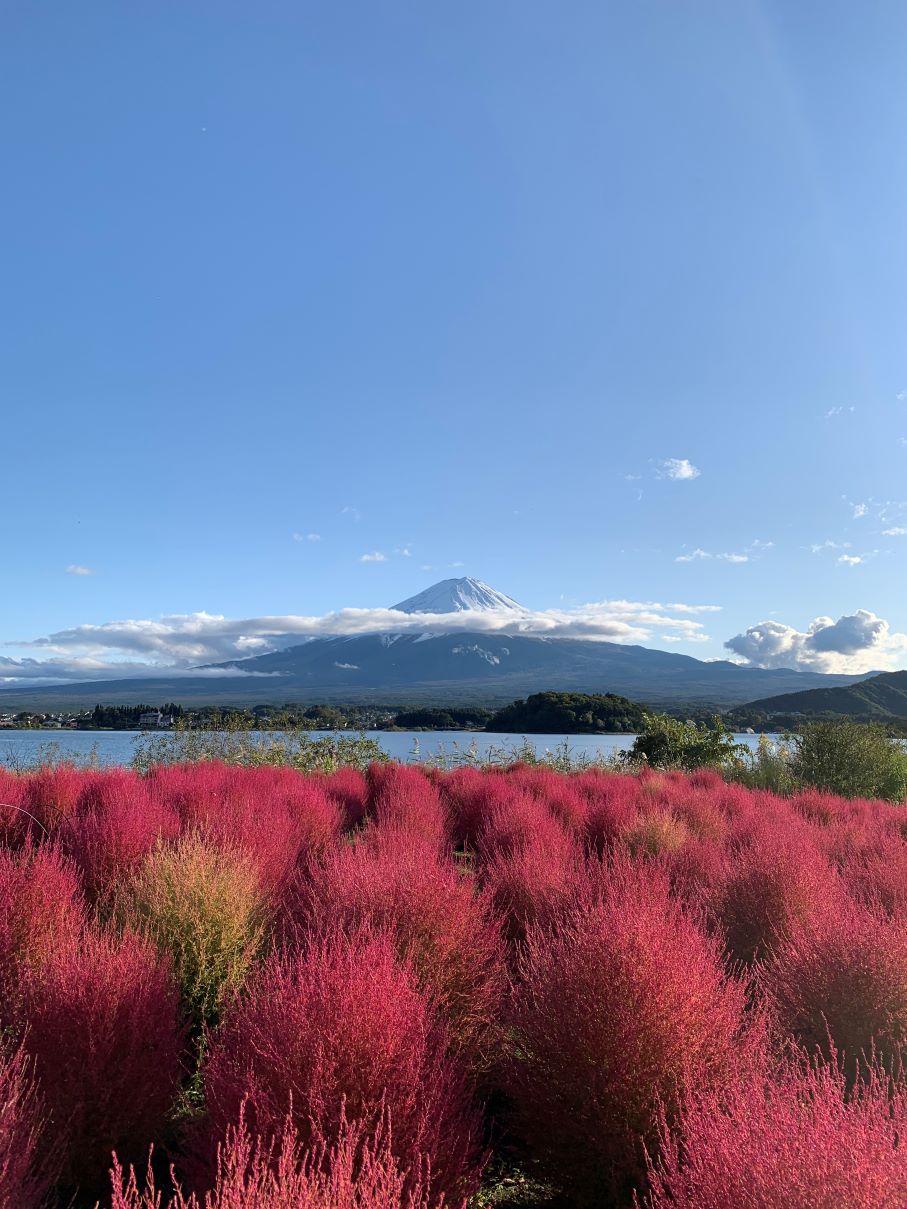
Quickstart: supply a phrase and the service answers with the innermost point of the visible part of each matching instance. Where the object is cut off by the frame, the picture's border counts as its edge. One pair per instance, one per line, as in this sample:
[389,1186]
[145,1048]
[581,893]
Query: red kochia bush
[271,814]
[530,884]
[402,798]
[878,875]
[516,819]
[14,823]
[618,1010]
[51,794]
[798,1140]
[343,1021]
[358,1172]
[41,907]
[439,920]
[841,979]
[24,1175]
[562,797]
[349,788]
[467,794]
[772,885]
[116,824]
[100,1021]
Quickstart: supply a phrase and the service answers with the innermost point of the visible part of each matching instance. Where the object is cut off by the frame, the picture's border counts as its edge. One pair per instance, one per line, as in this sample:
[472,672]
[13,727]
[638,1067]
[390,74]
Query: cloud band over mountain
[183,641]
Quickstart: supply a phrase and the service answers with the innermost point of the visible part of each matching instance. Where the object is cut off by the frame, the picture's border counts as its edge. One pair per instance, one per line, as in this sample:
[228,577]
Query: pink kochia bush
[116,824]
[840,980]
[273,815]
[404,799]
[341,1029]
[100,1021]
[440,921]
[774,884]
[615,1014]
[795,1139]
[24,1177]
[358,1171]
[41,908]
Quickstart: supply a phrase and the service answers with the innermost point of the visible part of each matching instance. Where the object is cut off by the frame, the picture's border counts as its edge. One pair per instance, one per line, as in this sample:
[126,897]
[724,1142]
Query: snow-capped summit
[459,596]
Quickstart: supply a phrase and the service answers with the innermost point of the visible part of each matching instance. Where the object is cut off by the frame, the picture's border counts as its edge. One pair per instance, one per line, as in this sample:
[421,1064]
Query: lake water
[19,747]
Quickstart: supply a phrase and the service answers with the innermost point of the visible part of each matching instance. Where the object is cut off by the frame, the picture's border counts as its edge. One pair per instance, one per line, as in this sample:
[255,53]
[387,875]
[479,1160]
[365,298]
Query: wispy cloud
[699,555]
[78,570]
[895,531]
[838,411]
[375,557]
[859,511]
[828,544]
[306,537]
[902,395]
[678,469]
[353,513]
[754,549]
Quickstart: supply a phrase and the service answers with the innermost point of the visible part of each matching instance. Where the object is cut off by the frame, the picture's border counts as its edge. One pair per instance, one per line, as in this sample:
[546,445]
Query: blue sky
[553,295]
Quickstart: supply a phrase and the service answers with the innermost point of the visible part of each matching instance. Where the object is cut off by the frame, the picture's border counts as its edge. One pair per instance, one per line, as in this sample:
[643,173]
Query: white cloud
[306,537]
[902,395]
[839,411]
[175,644]
[375,557]
[859,642]
[850,560]
[678,469]
[859,510]
[404,552]
[896,531]
[353,667]
[76,569]
[700,555]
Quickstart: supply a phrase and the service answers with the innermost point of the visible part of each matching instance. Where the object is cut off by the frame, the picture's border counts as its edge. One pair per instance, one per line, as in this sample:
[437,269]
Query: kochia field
[233,987]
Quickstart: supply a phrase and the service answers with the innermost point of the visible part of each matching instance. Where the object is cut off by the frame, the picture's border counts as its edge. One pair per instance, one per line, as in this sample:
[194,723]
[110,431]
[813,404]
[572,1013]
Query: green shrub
[204,907]
[851,759]
[669,743]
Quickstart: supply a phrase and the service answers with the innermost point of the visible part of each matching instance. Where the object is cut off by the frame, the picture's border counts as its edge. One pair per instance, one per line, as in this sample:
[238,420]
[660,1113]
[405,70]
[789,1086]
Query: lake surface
[22,747]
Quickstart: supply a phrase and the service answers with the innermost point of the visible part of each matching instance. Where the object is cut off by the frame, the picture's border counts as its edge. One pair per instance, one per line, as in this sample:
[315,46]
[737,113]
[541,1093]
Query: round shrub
[798,1139]
[434,911]
[101,1020]
[203,906]
[615,1012]
[840,980]
[343,1023]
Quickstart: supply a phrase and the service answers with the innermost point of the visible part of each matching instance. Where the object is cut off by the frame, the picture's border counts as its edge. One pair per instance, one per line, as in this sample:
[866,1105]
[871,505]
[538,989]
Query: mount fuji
[488,661]
[459,596]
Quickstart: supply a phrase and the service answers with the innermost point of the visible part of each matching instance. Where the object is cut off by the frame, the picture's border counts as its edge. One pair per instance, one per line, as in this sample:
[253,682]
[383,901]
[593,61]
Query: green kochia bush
[203,907]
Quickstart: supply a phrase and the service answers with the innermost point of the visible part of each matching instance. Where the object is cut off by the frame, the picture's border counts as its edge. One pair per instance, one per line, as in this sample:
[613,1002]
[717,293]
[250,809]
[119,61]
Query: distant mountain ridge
[458,665]
[879,697]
